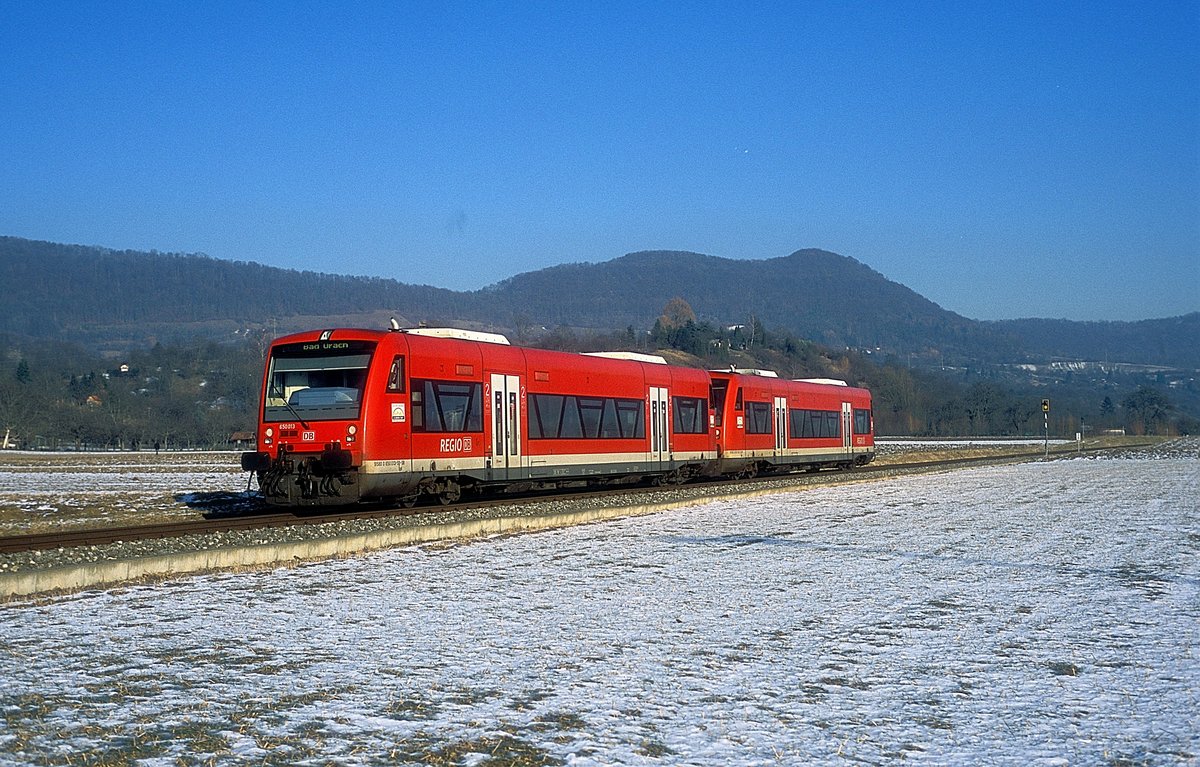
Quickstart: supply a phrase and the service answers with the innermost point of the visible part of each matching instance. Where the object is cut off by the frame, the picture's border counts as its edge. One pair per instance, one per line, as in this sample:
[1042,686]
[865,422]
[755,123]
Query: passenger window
[555,416]
[571,427]
[590,409]
[690,415]
[862,421]
[449,406]
[758,418]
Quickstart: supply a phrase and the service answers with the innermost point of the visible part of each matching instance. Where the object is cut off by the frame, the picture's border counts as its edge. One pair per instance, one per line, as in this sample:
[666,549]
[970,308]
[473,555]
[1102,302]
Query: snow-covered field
[1041,613]
[42,492]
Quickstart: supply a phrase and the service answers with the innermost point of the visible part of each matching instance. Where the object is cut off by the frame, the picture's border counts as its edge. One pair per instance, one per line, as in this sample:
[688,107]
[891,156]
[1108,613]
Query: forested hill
[124,298]
[52,289]
[815,294]
[1171,342]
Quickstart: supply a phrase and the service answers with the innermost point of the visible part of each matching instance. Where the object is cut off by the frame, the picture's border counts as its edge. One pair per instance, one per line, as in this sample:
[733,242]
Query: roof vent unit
[634,356]
[750,372]
[825,381]
[462,335]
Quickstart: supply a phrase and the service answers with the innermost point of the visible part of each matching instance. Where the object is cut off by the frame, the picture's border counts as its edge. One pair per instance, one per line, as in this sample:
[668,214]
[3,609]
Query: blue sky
[1002,159]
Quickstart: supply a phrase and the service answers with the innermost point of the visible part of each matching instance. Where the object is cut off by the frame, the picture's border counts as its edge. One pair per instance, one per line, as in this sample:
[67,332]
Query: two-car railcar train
[353,415]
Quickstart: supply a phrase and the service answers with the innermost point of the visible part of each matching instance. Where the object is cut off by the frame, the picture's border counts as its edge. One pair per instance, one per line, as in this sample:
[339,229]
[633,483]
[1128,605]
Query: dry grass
[929,451]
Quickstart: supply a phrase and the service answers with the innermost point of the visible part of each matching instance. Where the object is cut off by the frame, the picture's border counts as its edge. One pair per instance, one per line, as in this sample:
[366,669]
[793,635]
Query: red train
[362,415]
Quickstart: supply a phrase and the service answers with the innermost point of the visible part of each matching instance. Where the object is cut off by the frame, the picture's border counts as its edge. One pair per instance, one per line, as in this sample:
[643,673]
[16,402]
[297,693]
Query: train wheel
[450,494]
[409,501]
[674,478]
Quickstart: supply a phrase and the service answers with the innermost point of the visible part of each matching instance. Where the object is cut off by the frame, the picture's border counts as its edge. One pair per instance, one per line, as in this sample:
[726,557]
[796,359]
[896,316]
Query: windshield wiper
[288,405]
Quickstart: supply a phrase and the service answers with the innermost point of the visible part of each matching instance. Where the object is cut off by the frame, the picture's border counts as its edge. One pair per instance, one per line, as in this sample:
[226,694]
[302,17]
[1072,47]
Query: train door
[847,428]
[781,419]
[506,424]
[660,450]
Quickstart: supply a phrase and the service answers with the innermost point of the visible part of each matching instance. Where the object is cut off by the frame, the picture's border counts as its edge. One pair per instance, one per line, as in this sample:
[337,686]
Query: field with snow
[1041,613]
[45,492]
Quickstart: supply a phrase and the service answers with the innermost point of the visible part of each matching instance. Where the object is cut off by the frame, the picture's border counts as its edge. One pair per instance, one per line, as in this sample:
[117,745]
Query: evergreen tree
[1107,409]
[1146,408]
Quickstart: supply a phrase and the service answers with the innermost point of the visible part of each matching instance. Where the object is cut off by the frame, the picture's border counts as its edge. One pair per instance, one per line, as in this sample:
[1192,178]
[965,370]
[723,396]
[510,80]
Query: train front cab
[829,424]
[312,410]
[420,413]
[764,423]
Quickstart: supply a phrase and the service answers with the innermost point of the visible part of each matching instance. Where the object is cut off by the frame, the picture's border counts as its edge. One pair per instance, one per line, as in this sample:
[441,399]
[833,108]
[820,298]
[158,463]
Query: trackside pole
[1046,421]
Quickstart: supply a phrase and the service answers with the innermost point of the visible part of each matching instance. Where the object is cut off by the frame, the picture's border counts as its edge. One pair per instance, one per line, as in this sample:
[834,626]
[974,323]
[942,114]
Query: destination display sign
[321,348]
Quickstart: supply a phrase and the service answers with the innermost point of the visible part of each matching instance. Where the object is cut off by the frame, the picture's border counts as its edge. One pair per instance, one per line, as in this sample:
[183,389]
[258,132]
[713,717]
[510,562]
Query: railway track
[269,518]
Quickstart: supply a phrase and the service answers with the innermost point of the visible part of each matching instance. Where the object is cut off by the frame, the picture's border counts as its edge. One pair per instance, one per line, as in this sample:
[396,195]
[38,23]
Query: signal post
[1046,420]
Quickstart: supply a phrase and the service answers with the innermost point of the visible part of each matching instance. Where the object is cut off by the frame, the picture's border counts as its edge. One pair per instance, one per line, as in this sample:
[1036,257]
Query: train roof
[653,359]
[544,356]
[460,334]
[761,373]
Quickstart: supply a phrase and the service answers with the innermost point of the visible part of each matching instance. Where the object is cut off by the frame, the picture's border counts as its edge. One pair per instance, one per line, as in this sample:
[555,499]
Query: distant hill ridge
[102,296]
[816,294]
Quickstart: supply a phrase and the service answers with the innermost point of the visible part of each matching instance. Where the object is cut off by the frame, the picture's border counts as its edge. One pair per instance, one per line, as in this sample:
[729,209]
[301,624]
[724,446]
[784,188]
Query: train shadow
[219,505]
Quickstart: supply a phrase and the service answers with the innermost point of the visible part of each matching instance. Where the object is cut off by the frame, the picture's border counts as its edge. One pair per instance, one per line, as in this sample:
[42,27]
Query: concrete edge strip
[73,578]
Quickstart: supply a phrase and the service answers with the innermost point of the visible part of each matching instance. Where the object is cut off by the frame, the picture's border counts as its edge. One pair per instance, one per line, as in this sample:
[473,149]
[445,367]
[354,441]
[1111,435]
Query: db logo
[309,436]
[456,445]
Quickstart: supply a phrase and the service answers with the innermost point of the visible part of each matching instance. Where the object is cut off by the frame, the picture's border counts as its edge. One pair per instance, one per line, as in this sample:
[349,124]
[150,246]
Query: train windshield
[321,381]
